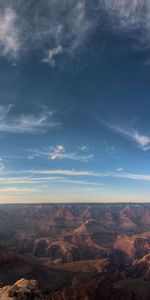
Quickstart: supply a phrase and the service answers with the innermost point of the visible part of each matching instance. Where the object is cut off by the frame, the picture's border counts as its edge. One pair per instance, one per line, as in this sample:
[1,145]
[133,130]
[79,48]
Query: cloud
[120,169]
[53,27]
[67,176]
[59,152]
[83,148]
[110,150]
[62,154]
[62,172]
[2,167]
[141,140]
[26,180]
[9,34]
[25,123]
[32,156]
[94,190]
[52,55]
[56,27]
[15,190]
[132,176]
[79,182]
[128,13]
[118,174]
[129,16]
[60,148]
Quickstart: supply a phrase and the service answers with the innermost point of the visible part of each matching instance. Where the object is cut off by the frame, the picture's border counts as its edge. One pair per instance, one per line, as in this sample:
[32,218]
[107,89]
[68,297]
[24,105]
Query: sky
[74,101]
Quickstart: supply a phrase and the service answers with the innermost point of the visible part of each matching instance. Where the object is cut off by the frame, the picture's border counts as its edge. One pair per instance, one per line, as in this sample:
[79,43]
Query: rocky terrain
[22,289]
[75,251]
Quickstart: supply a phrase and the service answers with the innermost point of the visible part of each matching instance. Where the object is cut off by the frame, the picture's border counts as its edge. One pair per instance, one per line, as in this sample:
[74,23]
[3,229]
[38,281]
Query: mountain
[76,251]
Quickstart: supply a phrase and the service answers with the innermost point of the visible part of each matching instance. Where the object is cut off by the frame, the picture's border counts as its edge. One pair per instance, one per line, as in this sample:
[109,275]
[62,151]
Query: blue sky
[74,101]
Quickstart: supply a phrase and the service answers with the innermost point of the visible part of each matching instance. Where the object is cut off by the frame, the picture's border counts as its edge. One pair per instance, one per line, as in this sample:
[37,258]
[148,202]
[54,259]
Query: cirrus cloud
[59,152]
[57,27]
[132,134]
[10,43]
[30,123]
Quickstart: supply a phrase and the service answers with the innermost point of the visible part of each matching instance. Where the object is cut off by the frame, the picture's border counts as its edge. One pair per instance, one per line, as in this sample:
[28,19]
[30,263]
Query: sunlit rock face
[22,290]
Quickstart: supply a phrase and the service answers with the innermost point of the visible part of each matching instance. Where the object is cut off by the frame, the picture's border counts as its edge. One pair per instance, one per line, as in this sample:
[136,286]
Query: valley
[76,251]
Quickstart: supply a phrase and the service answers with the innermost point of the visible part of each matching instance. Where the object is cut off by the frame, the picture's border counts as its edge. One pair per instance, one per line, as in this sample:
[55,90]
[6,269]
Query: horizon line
[78,203]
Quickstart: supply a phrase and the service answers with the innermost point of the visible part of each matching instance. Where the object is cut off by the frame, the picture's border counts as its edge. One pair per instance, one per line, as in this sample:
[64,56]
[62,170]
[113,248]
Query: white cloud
[19,32]
[9,33]
[57,27]
[15,190]
[120,169]
[26,180]
[59,152]
[83,148]
[70,156]
[141,140]
[80,23]
[62,172]
[71,29]
[132,176]
[25,123]
[4,110]
[118,174]
[2,167]
[94,189]
[67,176]
[60,148]
[53,27]
[32,156]
[52,55]
[79,182]
[110,149]
[128,15]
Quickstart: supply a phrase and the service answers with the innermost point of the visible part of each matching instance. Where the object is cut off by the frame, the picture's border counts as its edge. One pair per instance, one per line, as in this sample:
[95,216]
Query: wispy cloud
[106,174]
[57,27]
[132,176]
[2,166]
[59,152]
[94,189]
[140,139]
[78,177]
[62,172]
[72,156]
[120,169]
[83,148]
[9,34]
[50,59]
[22,123]
[130,17]
[128,13]
[78,182]
[16,190]
[54,26]
[27,180]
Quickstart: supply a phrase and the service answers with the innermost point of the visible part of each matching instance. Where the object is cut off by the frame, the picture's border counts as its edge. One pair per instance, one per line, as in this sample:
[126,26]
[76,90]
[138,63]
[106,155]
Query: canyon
[75,251]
